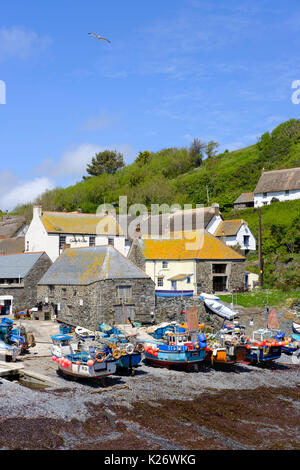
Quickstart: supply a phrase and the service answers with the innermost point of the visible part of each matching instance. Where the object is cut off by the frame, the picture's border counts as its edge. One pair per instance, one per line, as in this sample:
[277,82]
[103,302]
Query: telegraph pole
[261,261]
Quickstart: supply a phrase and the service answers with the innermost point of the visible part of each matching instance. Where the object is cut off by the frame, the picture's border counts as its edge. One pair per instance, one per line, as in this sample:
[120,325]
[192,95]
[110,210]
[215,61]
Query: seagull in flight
[99,37]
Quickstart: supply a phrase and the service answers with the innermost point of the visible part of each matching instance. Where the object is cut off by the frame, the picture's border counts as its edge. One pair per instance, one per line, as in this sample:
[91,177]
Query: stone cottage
[88,286]
[189,263]
[19,275]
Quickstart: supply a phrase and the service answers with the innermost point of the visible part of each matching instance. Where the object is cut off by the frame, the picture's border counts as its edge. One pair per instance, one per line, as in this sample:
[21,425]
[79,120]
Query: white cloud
[16,191]
[73,162]
[18,42]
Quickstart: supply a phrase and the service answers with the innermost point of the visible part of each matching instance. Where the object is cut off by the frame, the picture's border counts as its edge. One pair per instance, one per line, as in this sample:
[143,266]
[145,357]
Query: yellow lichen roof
[228,228]
[78,223]
[189,245]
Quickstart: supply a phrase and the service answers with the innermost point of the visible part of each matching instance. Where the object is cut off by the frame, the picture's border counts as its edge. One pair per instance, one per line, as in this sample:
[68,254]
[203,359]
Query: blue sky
[174,70]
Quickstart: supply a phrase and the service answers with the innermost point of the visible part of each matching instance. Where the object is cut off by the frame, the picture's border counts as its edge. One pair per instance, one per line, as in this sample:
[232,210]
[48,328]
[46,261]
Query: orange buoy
[90,362]
[77,363]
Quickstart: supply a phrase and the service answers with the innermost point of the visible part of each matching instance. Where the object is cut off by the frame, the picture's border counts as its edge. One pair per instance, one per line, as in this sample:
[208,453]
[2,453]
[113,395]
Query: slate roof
[83,266]
[79,223]
[18,264]
[228,228]
[280,180]
[199,245]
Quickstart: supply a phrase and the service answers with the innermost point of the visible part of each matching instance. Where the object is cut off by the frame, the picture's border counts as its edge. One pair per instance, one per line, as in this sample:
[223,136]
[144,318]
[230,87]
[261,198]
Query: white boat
[220,309]
[296,328]
[204,296]
[81,364]
[9,352]
[84,333]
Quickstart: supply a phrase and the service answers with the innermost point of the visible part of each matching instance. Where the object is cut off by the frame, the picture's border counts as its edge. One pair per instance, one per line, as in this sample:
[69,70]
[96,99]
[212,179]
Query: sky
[174,70]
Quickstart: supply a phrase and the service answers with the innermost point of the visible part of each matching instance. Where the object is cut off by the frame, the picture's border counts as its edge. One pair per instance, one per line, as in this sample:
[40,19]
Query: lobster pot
[65,329]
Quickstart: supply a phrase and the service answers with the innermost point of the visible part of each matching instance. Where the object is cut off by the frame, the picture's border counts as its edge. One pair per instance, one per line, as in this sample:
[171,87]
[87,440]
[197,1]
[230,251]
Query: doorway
[219,283]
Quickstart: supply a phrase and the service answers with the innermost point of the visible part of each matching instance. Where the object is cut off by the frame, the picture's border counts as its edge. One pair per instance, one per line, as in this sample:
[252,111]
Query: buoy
[90,362]
[53,358]
[77,363]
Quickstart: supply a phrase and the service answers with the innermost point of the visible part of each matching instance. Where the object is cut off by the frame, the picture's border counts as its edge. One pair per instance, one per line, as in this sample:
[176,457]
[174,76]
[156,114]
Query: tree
[196,151]
[210,149]
[143,158]
[108,161]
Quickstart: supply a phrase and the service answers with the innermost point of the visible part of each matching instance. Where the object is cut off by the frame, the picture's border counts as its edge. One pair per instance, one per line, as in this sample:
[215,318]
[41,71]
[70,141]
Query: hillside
[170,176]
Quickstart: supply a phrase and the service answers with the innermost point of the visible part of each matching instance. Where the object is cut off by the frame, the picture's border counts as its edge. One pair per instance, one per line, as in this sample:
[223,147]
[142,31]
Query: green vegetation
[262,298]
[182,176]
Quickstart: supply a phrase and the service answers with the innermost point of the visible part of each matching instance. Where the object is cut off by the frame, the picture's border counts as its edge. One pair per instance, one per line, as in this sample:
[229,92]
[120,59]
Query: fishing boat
[185,349]
[218,308]
[292,346]
[227,346]
[90,364]
[84,333]
[263,347]
[296,328]
[127,353]
[13,341]
[204,296]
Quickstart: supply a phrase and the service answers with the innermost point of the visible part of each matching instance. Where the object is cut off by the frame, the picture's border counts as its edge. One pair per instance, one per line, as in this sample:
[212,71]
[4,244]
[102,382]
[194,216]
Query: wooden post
[261,262]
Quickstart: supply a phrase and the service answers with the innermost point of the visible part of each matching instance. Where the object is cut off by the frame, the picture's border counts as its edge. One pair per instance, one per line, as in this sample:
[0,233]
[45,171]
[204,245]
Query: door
[123,312]
[219,283]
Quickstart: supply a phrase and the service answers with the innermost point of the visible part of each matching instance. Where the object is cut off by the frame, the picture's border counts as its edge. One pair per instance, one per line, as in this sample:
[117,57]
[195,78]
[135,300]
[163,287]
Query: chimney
[37,210]
[216,208]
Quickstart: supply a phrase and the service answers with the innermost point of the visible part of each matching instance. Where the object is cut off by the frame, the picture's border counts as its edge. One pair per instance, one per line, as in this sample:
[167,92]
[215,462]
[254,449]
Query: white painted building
[53,231]
[236,232]
[280,185]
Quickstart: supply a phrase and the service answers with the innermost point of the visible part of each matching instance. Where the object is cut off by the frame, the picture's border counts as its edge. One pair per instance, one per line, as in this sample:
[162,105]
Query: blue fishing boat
[263,347]
[182,349]
[127,355]
[89,364]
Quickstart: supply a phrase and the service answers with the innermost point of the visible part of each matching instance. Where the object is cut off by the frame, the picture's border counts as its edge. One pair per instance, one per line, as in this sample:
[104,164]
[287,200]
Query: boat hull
[89,372]
[262,354]
[129,361]
[184,359]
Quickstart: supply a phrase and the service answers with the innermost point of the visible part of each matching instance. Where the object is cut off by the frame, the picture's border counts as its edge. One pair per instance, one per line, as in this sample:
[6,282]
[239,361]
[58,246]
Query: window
[111,241]
[165,264]
[188,280]
[287,192]
[124,292]
[62,241]
[265,194]
[219,268]
[92,241]
[174,285]
[246,239]
[160,282]
[27,246]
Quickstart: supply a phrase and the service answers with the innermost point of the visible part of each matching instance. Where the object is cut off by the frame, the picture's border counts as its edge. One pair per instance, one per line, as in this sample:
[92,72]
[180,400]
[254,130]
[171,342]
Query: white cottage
[51,232]
[236,232]
[280,185]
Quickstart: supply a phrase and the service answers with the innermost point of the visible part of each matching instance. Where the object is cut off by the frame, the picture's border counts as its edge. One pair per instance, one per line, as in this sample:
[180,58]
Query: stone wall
[173,308]
[136,256]
[235,272]
[236,277]
[25,296]
[90,305]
